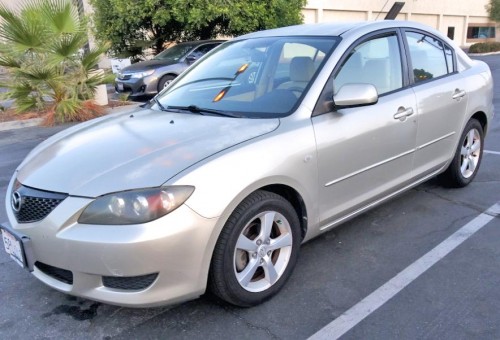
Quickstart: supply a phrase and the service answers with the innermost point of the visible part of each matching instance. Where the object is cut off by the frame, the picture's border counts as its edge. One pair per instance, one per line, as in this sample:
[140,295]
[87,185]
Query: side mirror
[191,59]
[353,95]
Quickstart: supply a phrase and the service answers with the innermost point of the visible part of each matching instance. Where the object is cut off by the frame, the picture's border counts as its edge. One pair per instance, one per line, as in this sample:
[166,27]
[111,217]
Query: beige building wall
[460,19]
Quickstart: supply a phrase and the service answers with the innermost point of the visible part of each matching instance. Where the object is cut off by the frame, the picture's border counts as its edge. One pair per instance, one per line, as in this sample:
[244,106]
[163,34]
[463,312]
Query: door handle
[458,94]
[403,113]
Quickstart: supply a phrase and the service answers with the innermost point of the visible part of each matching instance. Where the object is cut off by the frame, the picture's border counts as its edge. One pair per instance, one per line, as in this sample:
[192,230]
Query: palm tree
[42,50]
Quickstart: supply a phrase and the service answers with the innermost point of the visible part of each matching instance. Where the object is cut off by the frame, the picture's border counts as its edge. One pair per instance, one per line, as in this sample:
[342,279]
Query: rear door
[441,100]
[365,153]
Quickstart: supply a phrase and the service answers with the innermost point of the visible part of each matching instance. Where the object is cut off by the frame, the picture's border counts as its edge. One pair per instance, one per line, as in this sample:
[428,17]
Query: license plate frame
[120,87]
[14,247]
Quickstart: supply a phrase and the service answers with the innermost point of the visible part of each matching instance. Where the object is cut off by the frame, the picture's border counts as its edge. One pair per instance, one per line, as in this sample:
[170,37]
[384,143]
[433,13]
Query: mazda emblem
[17,201]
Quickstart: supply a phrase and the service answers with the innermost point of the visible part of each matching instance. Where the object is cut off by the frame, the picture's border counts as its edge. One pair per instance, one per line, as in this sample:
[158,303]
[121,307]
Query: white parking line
[372,302]
[492,152]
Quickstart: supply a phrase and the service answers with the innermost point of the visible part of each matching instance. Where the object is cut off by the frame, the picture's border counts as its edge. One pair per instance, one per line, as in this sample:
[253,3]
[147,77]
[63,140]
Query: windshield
[174,53]
[257,78]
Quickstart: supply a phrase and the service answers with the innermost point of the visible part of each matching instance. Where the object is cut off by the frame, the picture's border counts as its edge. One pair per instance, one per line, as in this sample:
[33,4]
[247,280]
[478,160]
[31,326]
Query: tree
[493,9]
[130,26]
[42,50]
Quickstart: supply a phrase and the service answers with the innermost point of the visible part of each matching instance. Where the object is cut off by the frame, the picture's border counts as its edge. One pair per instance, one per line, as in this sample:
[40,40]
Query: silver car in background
[272,139]
[147,78]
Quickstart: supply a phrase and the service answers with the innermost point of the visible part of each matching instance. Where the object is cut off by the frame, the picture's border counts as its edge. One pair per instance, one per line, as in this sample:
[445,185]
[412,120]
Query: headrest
[301,69]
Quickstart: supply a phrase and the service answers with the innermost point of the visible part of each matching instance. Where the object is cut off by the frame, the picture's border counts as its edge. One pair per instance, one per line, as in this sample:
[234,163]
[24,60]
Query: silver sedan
[272,139]
[151,76]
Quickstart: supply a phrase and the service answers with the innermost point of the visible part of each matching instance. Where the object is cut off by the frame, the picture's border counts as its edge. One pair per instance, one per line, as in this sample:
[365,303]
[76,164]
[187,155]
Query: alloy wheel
[263,250]
[470,153]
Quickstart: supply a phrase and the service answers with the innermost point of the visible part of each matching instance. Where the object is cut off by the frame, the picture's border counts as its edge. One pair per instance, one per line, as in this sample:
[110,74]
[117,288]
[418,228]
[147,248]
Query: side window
[202,50]
[428,57]
[377,62]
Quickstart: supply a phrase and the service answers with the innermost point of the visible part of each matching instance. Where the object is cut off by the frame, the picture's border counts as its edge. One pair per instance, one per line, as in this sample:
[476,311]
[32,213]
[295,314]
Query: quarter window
[428,57]
[377,62]
[449,59]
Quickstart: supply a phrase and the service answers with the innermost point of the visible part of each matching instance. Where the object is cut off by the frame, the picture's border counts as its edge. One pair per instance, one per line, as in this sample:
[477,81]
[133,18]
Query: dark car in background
[147,78]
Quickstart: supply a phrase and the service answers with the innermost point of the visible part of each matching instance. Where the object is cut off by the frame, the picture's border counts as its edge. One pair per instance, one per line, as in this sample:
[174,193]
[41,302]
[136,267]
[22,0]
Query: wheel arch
[286,191]
[295,199]
[169,73]
[481,117]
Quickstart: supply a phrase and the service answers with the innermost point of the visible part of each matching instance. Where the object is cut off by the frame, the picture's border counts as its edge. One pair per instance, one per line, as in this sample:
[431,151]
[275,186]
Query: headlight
[142,74]
[134,207]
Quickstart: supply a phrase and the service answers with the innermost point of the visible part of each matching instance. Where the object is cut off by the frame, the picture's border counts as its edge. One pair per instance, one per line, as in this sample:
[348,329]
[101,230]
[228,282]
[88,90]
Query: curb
[19,124]
[118,109]
[482,54]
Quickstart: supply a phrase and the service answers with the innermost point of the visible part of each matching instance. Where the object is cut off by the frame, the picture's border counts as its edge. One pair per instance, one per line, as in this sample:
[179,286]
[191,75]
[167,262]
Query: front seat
[301,72]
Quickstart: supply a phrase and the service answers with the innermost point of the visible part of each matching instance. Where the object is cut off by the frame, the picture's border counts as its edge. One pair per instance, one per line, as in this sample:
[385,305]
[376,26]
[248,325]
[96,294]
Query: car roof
[336,28]
[200,42]
[354,29]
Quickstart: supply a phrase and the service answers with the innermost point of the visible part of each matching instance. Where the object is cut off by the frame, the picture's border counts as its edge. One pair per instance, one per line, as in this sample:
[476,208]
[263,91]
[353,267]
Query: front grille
[60,274]
[130,282]
[33,204]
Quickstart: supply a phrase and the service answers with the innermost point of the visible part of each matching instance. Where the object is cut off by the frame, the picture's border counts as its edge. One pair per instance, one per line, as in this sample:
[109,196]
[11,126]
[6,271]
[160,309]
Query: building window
[480,32]
[451,32]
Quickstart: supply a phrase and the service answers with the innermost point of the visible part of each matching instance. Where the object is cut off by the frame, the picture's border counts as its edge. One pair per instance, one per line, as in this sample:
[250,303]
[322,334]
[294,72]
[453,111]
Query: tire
[467,159]
[251,275]
[165,81]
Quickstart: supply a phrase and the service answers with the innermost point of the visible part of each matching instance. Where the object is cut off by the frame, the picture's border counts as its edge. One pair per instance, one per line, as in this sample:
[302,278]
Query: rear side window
[428,57]
[202,50]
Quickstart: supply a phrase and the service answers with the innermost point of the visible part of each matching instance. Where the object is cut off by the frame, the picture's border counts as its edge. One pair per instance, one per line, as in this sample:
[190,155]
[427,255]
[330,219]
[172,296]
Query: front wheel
[465,164]
[256,251]
[165,81]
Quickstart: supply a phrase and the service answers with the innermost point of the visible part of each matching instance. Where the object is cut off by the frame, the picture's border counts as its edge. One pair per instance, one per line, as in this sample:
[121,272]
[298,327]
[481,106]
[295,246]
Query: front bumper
[136,87]
[170,252]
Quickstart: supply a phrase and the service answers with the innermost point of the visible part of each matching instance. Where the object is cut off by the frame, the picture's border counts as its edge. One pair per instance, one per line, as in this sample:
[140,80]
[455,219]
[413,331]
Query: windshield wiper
[159,104]
[200,110]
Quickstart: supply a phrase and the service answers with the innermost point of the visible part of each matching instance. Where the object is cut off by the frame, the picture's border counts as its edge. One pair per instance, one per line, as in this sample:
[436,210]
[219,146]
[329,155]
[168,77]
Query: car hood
[134,150]
[148,65]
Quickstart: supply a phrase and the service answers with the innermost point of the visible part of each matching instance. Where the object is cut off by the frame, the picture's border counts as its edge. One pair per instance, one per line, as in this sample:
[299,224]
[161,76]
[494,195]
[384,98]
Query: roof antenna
[381,9]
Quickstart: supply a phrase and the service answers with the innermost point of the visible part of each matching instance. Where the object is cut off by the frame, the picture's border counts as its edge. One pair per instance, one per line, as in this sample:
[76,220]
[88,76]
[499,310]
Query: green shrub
[485,47]
[42,51]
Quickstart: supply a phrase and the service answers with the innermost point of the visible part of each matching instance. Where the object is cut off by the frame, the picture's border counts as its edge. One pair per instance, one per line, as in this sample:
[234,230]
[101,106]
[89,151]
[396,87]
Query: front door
[366,152]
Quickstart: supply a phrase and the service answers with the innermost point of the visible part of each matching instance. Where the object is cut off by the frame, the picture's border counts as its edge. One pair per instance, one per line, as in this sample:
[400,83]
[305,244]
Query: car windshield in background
[257,78]
[174,53]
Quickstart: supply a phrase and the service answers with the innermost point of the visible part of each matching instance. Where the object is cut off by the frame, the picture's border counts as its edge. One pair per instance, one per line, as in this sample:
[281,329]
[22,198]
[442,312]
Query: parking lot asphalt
[456,298]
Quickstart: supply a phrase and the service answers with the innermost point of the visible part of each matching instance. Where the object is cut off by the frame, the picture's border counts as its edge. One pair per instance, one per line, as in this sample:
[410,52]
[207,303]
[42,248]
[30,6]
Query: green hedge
[485,47]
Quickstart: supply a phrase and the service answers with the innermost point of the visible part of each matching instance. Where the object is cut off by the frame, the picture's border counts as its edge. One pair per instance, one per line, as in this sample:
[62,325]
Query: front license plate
[13,247]
[120,86]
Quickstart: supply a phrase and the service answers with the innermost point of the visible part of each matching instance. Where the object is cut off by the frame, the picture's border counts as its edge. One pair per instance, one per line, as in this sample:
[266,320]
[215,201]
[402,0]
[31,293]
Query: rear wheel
[465,164]
[256,251]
